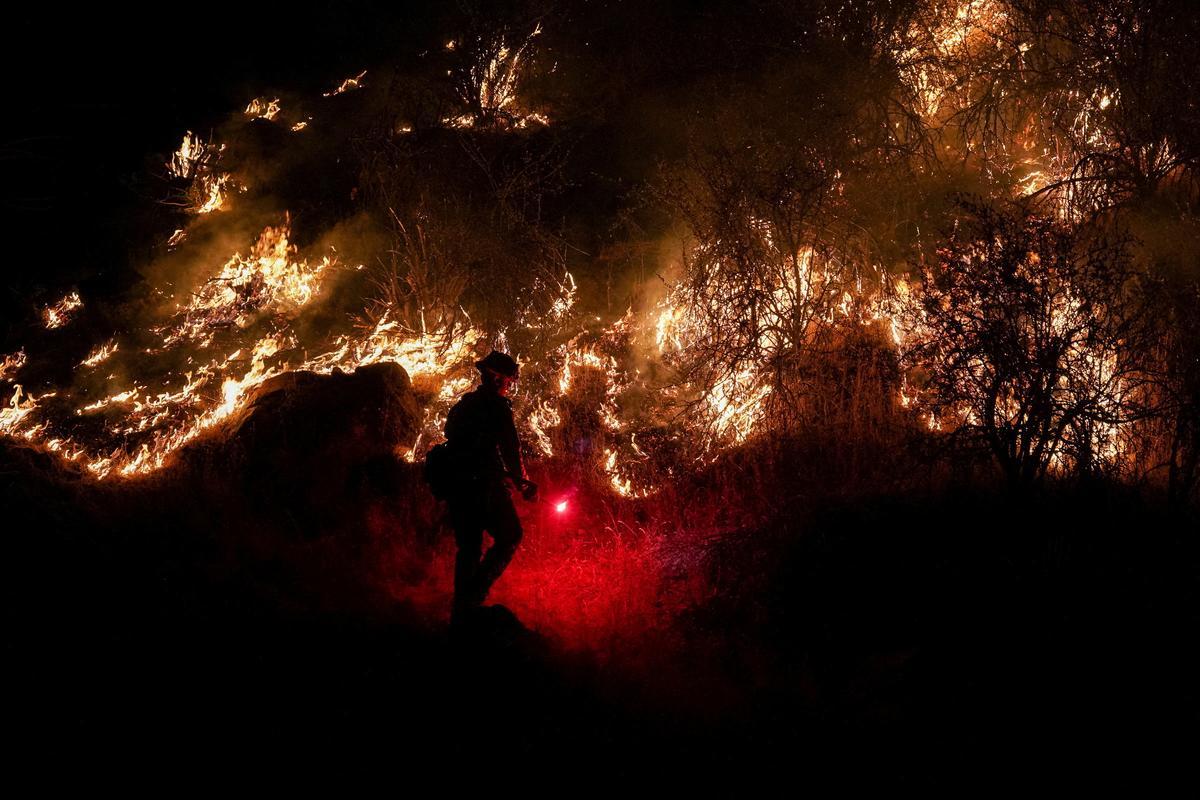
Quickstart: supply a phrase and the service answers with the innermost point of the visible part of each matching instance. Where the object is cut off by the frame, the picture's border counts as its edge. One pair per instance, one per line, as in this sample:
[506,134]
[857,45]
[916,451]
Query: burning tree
[1075,102]
[197,184]
[1032,335]
[419,285]
[776,254]
[486,69]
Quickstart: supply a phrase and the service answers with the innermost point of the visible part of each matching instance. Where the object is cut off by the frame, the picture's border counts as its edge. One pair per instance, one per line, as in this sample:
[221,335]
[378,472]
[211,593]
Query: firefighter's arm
[510,451]
[510,447]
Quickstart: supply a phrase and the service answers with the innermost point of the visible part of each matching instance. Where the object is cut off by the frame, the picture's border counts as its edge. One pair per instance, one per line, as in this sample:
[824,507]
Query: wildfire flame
[59,314]
[19,407]
[259,108]
[195,161]
[348,85]
[237,328]
[193,153]
[489,87]
[100,354]
[923,51]
[12,365]
[270,278]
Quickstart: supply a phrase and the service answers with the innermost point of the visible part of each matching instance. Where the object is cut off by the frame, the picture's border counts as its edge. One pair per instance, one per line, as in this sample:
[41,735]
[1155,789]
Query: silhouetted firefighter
[482,464]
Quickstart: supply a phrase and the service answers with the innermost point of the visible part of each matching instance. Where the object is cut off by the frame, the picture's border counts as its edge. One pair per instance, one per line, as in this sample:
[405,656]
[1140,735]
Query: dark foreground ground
[963,642]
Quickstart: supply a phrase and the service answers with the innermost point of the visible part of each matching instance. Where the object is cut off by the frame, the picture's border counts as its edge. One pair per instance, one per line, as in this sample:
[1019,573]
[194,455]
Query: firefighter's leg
[468,535]
[505,528]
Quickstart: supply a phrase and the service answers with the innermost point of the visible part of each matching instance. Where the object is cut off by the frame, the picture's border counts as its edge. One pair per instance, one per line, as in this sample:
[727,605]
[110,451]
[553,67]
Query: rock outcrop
[311,445]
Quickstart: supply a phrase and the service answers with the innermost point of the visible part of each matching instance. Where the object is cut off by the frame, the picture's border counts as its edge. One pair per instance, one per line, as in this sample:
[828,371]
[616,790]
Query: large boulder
[312,448]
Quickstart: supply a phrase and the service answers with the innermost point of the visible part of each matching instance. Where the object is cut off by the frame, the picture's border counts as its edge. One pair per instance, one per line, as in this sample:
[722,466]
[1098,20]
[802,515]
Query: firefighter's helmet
[499,362]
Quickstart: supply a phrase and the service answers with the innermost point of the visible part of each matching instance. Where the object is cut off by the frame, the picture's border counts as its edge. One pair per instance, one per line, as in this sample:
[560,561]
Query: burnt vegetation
[861,338]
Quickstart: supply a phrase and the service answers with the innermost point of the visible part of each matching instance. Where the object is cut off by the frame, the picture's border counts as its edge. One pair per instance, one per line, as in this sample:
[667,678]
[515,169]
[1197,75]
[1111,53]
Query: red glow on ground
[579,577]
[589,582]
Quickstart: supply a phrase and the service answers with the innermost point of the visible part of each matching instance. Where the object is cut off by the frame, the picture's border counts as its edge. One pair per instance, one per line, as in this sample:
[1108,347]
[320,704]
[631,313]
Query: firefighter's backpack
[439,470]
